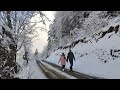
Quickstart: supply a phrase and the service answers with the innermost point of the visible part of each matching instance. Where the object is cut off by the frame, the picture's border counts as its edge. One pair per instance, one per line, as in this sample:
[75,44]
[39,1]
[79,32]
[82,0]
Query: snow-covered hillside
[100,53]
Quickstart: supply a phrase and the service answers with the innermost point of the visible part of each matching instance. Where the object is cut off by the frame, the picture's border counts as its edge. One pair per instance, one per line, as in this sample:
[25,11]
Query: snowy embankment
[30,71]
[94,58]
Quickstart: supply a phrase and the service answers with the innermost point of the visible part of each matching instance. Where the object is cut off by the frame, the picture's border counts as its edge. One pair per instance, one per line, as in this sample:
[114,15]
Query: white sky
[40,41]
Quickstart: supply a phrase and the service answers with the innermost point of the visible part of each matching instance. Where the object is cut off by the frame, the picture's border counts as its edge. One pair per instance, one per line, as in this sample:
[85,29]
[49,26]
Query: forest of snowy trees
[69,26]
[16,33]
[93,37]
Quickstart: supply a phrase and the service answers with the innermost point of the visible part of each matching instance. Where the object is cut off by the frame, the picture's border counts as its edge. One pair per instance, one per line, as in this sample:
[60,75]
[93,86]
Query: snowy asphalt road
[51,74]
[74,73]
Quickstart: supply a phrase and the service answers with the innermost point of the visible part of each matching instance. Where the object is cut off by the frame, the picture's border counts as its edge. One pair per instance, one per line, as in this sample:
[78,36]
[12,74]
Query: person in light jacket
[63,61]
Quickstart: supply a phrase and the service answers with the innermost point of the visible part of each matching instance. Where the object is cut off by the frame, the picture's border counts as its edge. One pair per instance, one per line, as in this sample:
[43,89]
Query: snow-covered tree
[16,32]
[70,26]
[36,52]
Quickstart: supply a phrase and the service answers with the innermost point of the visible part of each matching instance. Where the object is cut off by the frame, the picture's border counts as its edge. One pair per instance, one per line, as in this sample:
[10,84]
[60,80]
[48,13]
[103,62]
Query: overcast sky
[40,41]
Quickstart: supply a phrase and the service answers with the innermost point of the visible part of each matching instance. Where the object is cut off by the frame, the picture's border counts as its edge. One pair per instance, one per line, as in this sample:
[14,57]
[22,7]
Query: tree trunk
[14,45]
[9,20]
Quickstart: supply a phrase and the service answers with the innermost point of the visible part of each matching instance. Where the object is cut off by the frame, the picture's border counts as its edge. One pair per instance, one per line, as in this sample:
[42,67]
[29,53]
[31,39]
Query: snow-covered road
[78,75]
[52,72]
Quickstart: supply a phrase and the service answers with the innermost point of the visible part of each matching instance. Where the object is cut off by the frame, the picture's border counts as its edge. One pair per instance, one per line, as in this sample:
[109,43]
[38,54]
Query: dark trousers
[71,64]
[63,66]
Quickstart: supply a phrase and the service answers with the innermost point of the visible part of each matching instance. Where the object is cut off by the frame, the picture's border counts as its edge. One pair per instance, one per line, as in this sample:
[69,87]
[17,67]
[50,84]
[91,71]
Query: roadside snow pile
[99,58]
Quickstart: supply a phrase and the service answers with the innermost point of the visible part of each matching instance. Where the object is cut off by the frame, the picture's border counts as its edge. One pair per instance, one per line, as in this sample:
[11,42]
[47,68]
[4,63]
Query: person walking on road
[70,57]
[63,61]
[25,57]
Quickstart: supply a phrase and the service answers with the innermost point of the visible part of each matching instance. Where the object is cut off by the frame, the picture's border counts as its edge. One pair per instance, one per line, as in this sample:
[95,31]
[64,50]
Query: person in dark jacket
[25,57]
[70,56]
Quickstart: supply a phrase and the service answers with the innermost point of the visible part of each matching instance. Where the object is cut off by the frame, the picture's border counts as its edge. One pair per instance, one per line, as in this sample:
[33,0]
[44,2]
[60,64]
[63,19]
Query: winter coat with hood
[62,59]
